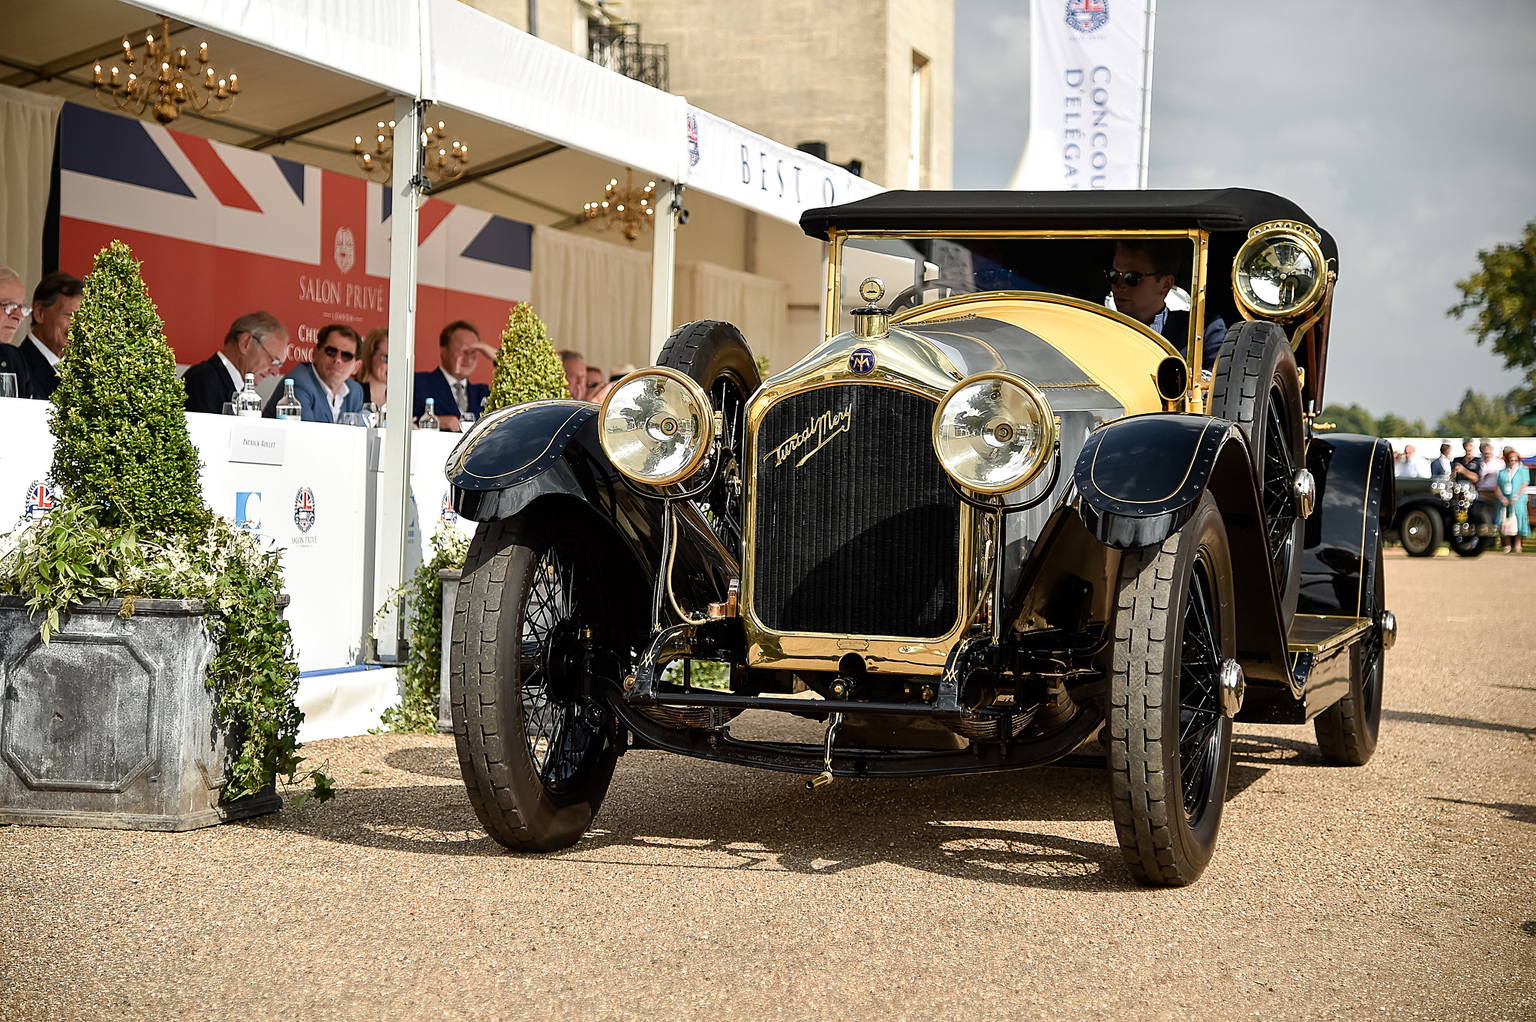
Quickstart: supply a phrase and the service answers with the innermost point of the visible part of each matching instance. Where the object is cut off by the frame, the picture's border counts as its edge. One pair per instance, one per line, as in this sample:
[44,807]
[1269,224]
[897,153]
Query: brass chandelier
[628,209]
[162,81]
[444,160]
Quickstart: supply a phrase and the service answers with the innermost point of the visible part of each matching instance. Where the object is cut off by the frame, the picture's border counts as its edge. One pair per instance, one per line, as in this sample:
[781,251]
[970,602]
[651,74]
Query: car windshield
[917,271]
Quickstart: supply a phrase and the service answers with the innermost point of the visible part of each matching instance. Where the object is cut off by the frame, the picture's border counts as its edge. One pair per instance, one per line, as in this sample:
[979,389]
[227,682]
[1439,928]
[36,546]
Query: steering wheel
[910,295]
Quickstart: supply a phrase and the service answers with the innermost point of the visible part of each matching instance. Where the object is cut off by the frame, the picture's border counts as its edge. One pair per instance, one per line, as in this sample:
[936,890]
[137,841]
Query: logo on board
[42,496]
[861,362]
[1087,16]
[304,509]
[693,140]
[248,510]
[447,513]
[345,250]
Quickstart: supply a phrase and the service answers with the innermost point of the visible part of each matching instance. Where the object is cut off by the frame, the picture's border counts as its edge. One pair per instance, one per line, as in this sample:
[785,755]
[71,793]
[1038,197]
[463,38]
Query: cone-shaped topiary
[527,368]
[119,411]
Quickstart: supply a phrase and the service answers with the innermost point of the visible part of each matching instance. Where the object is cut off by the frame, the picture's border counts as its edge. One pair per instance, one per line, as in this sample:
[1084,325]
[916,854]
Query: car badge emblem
[861,362]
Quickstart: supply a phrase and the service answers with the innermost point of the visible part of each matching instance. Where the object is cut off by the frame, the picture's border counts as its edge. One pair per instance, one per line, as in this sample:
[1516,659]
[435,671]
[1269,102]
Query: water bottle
[248,404]
[289,407]
[428,418]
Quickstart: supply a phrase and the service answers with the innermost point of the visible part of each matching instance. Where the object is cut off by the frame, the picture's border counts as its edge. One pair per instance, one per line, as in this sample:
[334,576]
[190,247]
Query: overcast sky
[1406,128]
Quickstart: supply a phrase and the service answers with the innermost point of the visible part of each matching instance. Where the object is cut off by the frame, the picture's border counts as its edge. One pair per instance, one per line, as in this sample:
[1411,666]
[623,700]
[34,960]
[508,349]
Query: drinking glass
[229,408]
[7,384]
[370,414]
[466,420]
[351,419]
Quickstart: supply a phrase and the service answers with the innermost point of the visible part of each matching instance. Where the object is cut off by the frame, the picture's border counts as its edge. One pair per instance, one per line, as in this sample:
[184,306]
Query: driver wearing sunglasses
[1143,274]
[324,386]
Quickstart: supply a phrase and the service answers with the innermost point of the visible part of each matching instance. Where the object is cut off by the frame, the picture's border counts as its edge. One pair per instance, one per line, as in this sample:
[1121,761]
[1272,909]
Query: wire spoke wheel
[1200,717]
[1256,387]
[532,731]
[1170,747]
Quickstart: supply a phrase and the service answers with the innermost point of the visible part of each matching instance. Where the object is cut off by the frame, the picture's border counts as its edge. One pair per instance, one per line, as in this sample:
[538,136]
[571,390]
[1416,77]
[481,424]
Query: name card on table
[256,444]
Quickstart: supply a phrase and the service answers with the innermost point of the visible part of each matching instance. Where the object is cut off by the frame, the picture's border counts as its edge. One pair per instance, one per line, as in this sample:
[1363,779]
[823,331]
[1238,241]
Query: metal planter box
[111,724]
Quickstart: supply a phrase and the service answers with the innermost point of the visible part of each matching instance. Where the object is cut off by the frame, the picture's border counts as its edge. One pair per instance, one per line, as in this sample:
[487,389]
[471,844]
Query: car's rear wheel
[1256,386]
[715,355]
[1421,532]
[534,739]
[1170,746]
[1347,730]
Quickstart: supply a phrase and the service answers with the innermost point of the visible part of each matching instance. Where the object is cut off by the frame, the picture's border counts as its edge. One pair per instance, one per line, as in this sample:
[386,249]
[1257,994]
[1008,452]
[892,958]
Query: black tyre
[1421,532]
[1256,386]
[534,741]
[715,355]
[1170,747]
[1347,730]
[1480,513]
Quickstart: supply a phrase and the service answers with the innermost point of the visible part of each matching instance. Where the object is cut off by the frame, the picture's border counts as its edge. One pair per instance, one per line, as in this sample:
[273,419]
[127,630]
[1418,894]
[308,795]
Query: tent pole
[663,264]
[394,501]
[1146,99]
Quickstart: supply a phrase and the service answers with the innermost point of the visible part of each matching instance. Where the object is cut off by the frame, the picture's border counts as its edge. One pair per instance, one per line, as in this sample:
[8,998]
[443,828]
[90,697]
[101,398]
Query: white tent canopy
[444,52]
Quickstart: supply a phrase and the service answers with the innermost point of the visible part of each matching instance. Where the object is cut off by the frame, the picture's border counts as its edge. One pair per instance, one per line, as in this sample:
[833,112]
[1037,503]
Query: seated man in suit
[459,351]
[13,309]
[1143,275]
[324,387]
[55,301]
[256,344]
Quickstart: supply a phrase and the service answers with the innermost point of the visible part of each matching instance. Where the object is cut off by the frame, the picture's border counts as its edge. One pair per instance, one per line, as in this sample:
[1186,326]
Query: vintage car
[1434,511]
[990,522]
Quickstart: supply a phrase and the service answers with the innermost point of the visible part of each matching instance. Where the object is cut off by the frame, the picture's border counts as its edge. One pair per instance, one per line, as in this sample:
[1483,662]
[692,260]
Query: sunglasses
[341,356]
[15,309]
[1129,277]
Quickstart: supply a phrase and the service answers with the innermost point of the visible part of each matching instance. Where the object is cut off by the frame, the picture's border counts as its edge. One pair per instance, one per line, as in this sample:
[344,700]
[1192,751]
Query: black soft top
[1211,209]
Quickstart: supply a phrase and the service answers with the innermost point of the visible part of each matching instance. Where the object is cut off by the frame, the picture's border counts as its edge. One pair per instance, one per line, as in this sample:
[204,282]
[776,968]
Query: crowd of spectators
[342,379]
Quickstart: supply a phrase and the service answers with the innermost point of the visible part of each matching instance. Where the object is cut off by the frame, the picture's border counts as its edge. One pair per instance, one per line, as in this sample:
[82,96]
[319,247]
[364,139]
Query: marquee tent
[542,125]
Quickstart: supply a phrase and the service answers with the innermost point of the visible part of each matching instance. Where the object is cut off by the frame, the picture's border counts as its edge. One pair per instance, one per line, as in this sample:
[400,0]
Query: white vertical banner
[1088,68]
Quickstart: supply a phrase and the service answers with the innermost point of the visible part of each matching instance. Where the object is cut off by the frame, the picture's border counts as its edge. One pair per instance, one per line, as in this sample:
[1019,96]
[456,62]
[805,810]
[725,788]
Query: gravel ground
[1400,890]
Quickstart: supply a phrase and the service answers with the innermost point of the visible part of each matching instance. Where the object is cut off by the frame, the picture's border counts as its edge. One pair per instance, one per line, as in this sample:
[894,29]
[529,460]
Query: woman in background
[373,365]
[1514,483]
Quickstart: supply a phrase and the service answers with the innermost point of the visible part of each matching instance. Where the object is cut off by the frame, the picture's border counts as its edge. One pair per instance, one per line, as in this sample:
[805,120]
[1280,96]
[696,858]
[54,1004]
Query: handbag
[1510,526]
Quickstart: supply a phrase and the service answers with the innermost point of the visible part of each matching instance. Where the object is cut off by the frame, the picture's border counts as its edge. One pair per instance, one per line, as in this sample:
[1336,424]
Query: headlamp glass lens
[990,434]
[1278,275]
[656,429]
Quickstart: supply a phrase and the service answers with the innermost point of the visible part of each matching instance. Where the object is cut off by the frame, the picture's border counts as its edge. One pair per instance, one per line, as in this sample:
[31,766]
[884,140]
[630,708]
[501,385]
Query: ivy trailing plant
[421,674]
[527,369]
[132,525]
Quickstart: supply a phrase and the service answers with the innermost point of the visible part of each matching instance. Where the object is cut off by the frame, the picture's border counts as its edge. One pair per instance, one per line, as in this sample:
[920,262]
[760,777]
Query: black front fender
[1140,479]
[544,458]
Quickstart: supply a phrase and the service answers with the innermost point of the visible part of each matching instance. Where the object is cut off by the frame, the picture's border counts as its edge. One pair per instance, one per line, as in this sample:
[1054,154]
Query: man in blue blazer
[459,351]
[324,386]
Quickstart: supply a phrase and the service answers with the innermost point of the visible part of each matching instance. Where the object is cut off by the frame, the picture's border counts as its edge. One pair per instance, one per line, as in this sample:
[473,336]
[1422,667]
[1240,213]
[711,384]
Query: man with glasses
[13,309]
[1143,274]
[55,301]
[256,343]
[324,386]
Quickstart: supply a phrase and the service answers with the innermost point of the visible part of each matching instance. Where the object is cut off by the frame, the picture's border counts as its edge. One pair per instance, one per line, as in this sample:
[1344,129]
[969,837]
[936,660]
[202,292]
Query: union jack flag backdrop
[223,231]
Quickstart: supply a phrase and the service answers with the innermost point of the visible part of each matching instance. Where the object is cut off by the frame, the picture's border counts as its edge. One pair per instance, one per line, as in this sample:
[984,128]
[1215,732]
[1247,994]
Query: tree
[1392,424]
[527,368]
[1503,295]
[1481,415]
[1353,419]
[119,412]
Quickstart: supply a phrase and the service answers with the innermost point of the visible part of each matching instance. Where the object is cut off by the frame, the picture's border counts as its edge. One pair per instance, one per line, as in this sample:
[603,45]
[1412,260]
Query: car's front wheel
[1170,745]
[534,740]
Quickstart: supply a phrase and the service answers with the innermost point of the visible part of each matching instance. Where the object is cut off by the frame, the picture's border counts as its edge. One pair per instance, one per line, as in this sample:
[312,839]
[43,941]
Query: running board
[1318,649]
